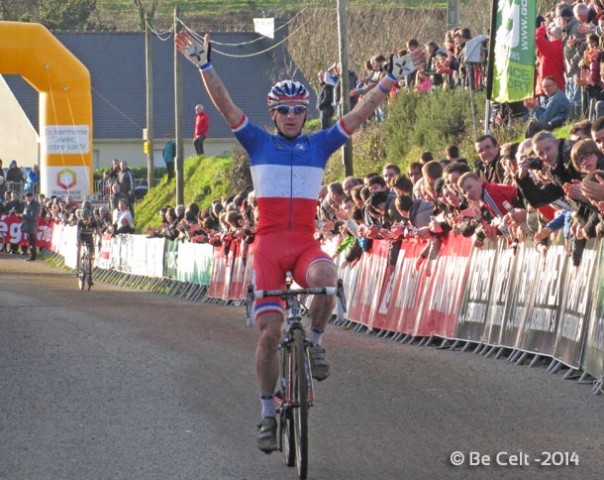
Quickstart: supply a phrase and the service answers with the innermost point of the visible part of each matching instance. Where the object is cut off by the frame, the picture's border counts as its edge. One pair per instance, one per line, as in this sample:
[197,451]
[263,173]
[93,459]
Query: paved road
[121,384]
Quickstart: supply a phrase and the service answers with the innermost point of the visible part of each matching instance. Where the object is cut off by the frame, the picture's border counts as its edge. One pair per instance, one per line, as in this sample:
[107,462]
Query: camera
[534,163]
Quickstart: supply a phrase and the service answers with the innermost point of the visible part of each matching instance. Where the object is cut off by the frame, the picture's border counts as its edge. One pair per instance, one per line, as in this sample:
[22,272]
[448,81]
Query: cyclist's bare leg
[322,274]
[267,367]
[267,358]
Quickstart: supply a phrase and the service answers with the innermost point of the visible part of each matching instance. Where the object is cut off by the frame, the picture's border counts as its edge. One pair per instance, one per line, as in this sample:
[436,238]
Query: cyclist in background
[86,227]
[287,171]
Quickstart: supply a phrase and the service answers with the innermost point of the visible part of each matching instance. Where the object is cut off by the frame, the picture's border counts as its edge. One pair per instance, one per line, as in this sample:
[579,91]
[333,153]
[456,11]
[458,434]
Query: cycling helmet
[287,90]
[85,204]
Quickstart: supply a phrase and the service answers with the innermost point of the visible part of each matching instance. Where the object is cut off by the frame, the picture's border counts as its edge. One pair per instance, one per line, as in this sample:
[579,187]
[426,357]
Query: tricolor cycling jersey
[287,174]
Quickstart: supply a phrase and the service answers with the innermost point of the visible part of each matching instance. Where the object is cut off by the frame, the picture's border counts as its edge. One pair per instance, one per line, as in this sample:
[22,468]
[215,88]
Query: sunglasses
[286,109]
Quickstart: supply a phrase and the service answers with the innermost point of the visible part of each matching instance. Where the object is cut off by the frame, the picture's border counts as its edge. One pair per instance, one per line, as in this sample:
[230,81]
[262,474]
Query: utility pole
[452,14]
[179,163]
[149,83]
[344,83]
[146,16]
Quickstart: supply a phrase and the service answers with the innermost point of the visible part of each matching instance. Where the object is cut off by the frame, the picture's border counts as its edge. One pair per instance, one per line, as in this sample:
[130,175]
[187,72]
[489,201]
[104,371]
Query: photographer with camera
[554,164]
[553,178]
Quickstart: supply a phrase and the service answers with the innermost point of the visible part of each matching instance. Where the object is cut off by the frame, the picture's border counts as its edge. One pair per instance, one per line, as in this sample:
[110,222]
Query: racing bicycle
[296,393]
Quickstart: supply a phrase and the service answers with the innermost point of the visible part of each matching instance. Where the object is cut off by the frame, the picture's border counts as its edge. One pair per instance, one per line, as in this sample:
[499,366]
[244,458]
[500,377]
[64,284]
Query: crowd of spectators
[532,188]
[515,191]
[458,61]
[65,211]
[16,179]
[569,70]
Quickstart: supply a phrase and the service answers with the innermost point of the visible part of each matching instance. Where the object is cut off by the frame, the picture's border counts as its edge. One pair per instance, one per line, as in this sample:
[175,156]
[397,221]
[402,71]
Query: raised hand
[194,51]
[400,67]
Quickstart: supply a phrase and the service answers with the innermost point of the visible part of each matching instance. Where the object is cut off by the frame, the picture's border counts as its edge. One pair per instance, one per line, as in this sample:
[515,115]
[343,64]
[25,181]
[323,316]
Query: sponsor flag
[512,62]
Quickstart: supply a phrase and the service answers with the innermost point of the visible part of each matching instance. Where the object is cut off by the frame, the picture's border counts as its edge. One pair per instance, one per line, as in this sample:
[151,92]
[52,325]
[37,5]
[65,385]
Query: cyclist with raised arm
[287,171]
[86,227]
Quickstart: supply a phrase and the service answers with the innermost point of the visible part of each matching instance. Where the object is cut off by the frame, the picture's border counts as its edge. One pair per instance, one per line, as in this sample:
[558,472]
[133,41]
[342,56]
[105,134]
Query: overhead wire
[226,44]
[167,33]
[198,37]
[96,92]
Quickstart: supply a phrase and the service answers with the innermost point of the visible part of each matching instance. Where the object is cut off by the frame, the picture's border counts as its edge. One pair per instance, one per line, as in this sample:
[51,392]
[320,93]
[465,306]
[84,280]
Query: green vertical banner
[513,62]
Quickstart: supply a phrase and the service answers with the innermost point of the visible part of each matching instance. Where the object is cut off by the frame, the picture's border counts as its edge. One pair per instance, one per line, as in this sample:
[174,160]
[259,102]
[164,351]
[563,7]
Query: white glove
[198,54]
[400,67]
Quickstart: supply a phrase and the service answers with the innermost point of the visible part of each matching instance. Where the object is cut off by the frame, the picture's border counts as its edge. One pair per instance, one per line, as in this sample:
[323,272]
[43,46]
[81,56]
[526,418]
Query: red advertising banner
[382,318]
[369,280]
[348,273]
[10,231]
[375,288]
[408,288]
[444,289]
[219,273]
[238,288]
[104,257]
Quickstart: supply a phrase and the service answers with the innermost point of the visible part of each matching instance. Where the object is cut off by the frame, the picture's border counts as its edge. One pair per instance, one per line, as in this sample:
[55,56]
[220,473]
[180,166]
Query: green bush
[432,122]
[205,179]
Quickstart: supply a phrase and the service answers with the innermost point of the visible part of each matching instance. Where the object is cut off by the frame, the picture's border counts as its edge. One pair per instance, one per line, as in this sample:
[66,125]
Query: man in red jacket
[202,123]
[550,56]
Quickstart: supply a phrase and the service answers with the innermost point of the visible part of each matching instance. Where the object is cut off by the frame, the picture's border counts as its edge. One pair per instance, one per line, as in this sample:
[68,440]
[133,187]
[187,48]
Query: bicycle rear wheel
[300,400]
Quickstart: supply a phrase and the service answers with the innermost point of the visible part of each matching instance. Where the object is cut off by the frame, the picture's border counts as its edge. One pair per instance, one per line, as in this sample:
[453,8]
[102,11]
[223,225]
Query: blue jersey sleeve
[330,139]
[251,137]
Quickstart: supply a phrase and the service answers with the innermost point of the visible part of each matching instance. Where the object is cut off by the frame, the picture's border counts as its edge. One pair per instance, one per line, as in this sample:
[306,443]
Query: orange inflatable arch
[65,104]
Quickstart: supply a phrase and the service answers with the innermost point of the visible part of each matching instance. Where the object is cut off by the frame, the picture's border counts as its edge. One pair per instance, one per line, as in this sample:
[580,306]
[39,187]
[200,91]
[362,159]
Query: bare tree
[145,12]
[313,40]
[476,14]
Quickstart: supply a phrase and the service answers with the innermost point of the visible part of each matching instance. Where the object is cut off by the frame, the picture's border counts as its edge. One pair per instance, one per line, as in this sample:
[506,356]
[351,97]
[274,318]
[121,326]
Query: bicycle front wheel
[89,273]
[288,441]
[82,273]
[300,392]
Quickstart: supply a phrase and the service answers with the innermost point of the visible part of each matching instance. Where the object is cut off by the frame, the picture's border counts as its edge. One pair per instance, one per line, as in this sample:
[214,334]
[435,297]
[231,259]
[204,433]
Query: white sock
[268,404]
[316,336]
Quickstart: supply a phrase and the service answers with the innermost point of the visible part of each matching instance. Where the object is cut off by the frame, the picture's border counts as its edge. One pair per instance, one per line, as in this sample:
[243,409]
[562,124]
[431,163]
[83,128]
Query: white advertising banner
[68,181]
[65,139]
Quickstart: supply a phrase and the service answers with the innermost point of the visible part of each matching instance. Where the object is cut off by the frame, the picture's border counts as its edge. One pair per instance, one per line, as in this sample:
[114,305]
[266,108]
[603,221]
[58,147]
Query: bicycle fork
[287,375]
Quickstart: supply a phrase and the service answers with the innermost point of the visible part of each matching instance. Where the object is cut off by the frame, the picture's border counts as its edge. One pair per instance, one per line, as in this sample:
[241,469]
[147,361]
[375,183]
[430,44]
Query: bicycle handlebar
[292,292]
